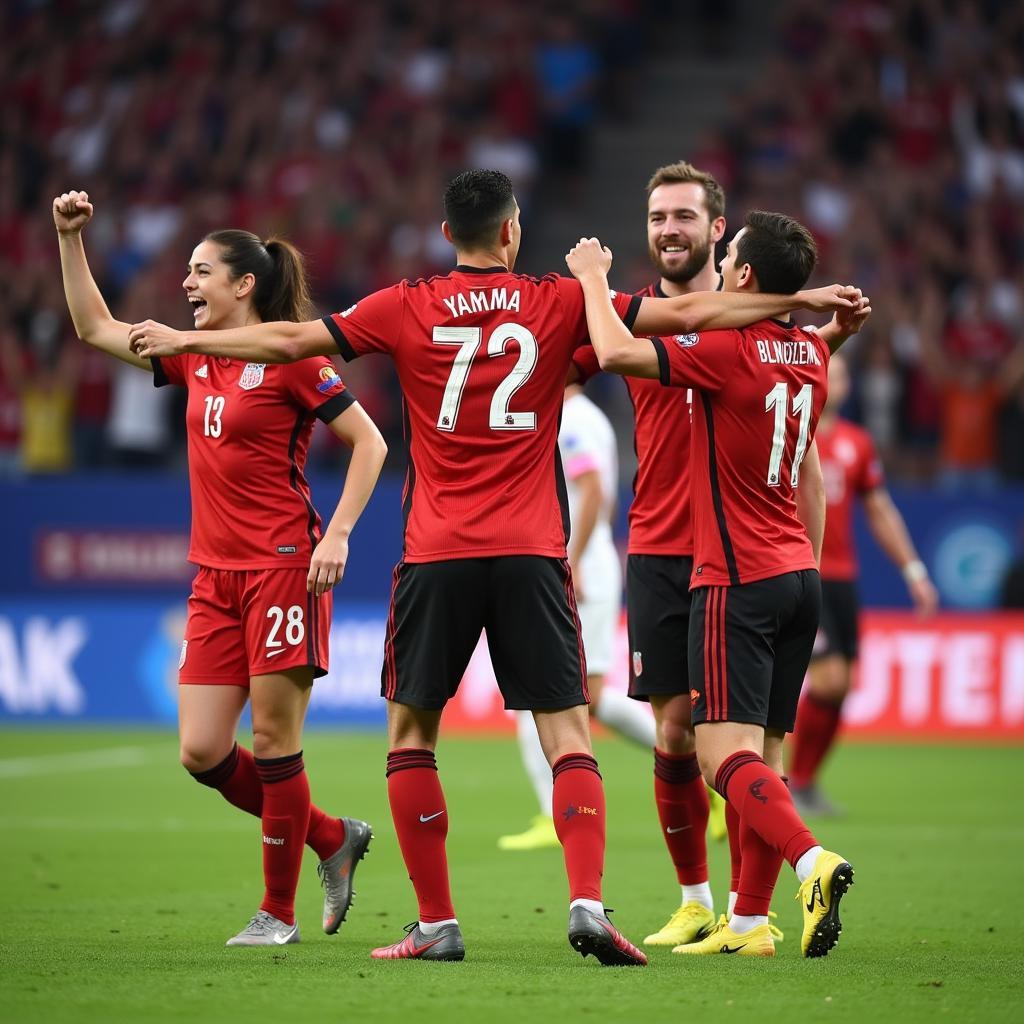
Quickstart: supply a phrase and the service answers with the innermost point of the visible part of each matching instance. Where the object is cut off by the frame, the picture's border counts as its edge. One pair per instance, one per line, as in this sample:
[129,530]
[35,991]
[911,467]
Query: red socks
[421,822]
[683,812]
[578,811]
[817,722]
[764,806]
[285,823]
[236,779]
[732,824]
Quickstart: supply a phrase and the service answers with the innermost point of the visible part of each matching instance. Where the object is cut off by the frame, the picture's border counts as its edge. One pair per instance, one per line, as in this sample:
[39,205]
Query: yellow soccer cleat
[722,939]
[540,835]
[692,921]
[777,933]
[716,817]
[819,897]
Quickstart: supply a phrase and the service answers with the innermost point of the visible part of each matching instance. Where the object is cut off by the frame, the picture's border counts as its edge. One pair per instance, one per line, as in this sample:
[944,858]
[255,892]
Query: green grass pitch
[122,879]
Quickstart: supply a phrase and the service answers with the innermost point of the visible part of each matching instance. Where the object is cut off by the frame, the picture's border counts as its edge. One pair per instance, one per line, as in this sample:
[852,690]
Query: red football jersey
[757,397]
[659,516]
[248,428]
[482,356]
[850,467]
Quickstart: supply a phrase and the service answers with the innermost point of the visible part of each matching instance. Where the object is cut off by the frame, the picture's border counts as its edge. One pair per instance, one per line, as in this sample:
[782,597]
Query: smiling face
[680,234]
[217,300]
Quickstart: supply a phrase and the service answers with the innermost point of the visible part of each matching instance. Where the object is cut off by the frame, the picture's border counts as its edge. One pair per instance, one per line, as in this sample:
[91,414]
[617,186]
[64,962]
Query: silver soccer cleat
[266,930]
[337,871]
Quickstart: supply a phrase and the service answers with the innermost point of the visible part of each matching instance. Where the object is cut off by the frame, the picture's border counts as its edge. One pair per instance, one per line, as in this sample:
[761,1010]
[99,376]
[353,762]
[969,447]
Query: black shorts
[749,649]
[524,602]
[840,613]
[658,621]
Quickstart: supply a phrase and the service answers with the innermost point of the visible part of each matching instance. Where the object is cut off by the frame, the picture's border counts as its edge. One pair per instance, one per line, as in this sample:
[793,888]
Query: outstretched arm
[276,342]
[92,319]
[360,433]
[844,324]
[890,531]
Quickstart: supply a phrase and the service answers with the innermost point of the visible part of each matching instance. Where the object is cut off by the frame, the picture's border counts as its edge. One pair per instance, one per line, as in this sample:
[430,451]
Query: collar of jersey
[462,269]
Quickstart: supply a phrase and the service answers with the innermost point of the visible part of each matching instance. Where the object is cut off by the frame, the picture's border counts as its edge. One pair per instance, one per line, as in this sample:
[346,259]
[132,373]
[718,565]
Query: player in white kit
[587,444]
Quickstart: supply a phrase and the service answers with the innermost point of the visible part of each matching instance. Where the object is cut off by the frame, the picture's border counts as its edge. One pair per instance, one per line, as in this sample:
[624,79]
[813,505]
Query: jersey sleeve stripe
[664,370]
[631,311]
[334,406]
[716,495]
[348,353]
[159,374]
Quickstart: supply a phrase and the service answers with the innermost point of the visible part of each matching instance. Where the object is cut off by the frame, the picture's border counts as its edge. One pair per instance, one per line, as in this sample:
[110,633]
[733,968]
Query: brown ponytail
[281,292]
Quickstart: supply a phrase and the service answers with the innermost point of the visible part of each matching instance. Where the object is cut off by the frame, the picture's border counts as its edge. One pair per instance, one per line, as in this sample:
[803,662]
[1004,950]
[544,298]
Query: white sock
[699,894]
[741,923]
[629,718]
[594,906]
[431,927]
[732,902]
[534,761]
[805,865]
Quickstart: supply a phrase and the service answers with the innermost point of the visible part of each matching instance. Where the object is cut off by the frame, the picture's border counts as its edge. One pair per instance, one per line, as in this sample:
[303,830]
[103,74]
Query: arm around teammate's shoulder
[279,341]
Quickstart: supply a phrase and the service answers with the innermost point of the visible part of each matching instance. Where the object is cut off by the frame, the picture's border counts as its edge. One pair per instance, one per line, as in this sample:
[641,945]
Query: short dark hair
[780,250]
[475,205]
[683,173]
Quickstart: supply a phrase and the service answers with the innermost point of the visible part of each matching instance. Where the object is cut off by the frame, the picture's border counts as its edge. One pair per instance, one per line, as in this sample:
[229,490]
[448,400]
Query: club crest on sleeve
[329,380]
[252,376]
[687,340]
[348,312]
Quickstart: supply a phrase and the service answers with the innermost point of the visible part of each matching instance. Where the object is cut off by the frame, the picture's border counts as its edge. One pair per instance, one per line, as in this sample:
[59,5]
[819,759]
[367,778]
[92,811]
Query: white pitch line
[79,760]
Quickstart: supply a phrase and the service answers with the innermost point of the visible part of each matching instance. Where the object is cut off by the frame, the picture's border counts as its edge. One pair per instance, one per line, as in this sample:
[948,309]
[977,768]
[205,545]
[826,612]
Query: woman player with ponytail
[260,609]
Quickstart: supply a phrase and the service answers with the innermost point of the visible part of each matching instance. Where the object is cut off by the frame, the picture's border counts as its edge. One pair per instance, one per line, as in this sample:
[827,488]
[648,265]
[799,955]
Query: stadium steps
[684,90]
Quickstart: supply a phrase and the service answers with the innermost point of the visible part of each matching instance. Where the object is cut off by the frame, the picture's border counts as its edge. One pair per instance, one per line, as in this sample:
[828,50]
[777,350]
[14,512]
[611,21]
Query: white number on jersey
[212,426]
[778,399]
[468,339]
[294,630]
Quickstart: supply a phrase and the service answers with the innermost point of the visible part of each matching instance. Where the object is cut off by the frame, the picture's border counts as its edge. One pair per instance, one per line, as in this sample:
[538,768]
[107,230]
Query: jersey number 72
[468,341]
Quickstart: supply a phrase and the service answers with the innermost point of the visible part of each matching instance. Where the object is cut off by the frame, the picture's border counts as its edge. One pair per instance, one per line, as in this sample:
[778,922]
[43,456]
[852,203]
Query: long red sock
[683,809]
[764,804]
[237,780]
[732,823]
[285,823]
[421,822]
[578,810]
[758,874]
[817,722]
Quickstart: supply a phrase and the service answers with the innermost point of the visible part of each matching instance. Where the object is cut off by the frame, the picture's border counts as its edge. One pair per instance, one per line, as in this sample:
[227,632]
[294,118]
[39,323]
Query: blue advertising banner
[115,660]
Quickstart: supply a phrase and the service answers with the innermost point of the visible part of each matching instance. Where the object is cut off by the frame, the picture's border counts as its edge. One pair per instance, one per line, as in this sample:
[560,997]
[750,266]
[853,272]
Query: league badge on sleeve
[687,340]
[252,376]
[329,380]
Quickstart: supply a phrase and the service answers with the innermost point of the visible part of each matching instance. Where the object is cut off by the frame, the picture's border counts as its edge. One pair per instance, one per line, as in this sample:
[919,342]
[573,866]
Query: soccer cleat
[591,933]
[539,836]
[717,828]
[445,944]
[819,897]
[690,922]
[812,803]
[777,933]
[337,871]
[266,930]
[722,939]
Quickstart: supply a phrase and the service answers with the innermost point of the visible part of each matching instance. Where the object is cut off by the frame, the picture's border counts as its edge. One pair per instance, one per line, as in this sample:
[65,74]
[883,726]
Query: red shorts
[252,622]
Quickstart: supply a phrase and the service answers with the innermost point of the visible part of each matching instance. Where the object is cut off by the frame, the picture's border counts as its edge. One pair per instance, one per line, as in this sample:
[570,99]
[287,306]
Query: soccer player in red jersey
[757,397]
[260,609]
[482,355]
[851,469]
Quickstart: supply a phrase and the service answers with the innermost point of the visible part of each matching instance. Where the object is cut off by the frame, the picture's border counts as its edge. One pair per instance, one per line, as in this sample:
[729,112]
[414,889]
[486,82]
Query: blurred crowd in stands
[894,129]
